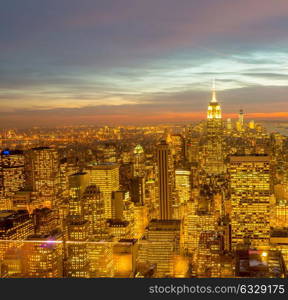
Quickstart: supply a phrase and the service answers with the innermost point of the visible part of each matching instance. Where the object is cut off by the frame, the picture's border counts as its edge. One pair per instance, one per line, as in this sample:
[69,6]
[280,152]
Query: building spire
[214,100]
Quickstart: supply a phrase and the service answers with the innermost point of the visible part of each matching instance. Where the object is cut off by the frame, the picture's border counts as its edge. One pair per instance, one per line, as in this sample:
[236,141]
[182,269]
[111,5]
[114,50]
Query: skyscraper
[240,122]
[12,176]
[14,225]
[213,155]
[138,161]
[250,198]
[77,264]
[43,257]
[44,169]
[137,188]
[161,245]
[106,178]
[241,118]
[94,212]
[164,180]
[77,185]
[182,185]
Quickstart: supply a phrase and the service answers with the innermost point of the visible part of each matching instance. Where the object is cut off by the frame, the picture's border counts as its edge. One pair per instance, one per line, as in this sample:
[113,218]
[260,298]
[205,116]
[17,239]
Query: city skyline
[144,139]
[202,200]
[132,61]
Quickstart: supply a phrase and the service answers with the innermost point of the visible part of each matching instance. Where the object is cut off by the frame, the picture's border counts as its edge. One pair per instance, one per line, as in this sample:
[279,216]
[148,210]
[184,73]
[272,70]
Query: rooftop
[172,225]
[249,158]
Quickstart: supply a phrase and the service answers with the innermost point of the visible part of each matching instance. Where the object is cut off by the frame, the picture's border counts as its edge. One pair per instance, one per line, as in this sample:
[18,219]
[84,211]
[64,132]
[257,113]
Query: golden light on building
[250,198]
[106,178]
[181,266]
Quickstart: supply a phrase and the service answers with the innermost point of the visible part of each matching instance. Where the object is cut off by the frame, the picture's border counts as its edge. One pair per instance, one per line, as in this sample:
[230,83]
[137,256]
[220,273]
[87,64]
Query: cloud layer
[70,61]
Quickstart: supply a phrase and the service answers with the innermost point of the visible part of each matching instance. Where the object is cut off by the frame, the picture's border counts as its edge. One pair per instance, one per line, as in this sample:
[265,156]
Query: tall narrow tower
[165,194]
[214,115]
[241,117]
[213,147]
[240,122]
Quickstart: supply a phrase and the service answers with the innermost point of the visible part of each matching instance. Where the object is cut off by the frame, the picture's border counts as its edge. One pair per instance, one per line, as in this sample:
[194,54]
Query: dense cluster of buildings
[198,200]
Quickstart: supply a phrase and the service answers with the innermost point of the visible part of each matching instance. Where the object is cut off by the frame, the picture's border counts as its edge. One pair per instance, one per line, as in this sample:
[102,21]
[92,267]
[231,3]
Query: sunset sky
[135,61]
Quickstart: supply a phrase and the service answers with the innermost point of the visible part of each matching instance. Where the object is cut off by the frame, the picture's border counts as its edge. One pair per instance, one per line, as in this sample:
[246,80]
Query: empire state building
[214,110]
[213,147]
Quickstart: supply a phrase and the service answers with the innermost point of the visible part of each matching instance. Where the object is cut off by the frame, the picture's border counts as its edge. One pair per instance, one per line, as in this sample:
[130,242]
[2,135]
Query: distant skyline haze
[134,61]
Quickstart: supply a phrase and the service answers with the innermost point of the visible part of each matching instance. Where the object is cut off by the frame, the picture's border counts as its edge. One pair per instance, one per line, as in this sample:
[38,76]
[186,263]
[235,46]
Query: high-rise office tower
[177,148]
[213,152]
[137,188]
[100,256]
[125,255]
[66,169]
[43,256]
[192,149]
[140,209]
[195,222]
[77,264]
[250,198]
[78,226]
[14,226]
[118,198]
[161,245]
[77,185]
[208,254]
[140,220]
[138,161]
[44,170]
[165,184]
[45,220]
[12,176]
[240,122]
[106,177]
[182,185]
[94,211]
[241,118]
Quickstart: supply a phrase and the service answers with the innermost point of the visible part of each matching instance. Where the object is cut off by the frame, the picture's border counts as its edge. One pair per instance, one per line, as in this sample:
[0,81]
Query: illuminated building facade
[250,196]
[183,185]
[138,161]
[161,244]
[12,176]
[77,185]
[119,229]
[209,201]
[213,148]
[77,263]
[43,256]
[208,254]
[106,177]
[137,188]
[140,220]
[45,220]
[100,254]
[44,173]
[125,253]
[14,226]
[94,211]
[165,180]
